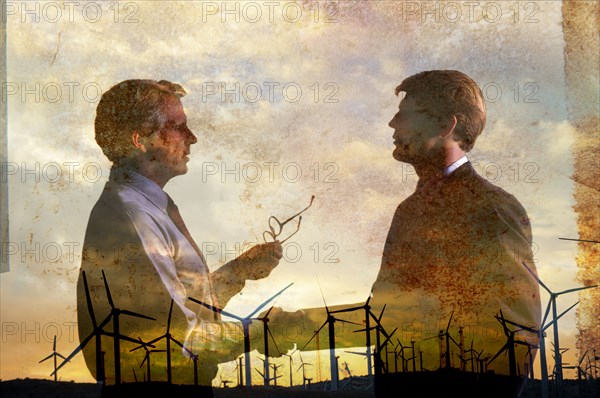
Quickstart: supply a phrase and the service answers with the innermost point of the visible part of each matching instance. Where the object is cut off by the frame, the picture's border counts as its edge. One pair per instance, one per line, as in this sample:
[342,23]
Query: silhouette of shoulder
[493,200]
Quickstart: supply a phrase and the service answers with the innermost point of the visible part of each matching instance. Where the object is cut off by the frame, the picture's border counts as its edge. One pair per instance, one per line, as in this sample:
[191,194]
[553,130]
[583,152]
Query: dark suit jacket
[455,248]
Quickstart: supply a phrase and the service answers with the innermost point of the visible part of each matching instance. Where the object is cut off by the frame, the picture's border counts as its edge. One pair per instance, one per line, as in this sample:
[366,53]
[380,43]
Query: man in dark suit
[452,264]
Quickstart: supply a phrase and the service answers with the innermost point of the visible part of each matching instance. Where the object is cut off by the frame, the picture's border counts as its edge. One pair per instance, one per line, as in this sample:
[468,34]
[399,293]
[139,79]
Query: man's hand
[259,261]
[289,329]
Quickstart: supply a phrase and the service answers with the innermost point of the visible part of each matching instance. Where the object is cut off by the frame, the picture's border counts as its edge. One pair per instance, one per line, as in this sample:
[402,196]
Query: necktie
[173,212]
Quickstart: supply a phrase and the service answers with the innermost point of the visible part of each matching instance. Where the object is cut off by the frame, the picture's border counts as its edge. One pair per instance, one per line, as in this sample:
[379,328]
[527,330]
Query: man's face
[416,133]
[168,149]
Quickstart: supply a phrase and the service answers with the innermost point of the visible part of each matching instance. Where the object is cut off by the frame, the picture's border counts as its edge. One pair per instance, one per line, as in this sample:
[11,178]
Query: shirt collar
[450,169]
[144,185]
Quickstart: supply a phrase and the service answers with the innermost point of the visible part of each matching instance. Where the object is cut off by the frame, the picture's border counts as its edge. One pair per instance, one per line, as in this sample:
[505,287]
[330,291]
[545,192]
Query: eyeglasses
[276,227]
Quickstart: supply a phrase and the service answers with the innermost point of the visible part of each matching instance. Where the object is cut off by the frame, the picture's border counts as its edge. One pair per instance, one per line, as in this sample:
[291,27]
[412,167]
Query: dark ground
[33,388]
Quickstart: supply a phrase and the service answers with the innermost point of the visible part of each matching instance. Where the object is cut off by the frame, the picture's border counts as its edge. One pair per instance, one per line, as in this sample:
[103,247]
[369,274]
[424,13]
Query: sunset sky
[309,95]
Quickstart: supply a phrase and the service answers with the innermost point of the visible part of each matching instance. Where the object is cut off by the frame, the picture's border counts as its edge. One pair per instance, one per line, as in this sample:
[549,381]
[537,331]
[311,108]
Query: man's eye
[181,128]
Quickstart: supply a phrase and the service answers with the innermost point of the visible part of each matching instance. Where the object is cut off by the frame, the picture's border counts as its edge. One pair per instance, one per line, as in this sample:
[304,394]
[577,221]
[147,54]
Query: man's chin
[399,155]
[180,170]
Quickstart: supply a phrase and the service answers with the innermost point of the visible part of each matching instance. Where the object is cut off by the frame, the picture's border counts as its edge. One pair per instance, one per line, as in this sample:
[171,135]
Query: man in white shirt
[137,238]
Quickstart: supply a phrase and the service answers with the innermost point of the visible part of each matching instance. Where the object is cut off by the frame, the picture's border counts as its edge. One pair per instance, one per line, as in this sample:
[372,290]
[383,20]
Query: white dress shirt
[450,169]
[181,269]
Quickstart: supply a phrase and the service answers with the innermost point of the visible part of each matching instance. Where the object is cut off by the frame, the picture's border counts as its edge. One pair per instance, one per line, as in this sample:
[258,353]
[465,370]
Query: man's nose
[191,138]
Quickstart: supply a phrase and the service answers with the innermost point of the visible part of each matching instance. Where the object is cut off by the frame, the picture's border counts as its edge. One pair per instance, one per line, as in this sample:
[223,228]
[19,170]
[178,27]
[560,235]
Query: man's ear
[449,129]
[138,141]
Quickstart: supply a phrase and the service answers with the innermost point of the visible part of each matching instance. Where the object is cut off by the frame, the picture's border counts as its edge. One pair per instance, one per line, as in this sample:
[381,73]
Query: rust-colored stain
[581,29]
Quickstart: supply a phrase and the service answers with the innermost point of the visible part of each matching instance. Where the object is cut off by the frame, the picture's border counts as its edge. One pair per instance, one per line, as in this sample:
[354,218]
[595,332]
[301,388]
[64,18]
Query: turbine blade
[381,315]
[48,357]
[75,351]
[503,322]
[273,339]
[546,313]
[54,344]
[450,320]
[89,300]
[582,357]
[537,279]
[454,341]
[127,338]
[313,336]
[528,329]
[576,289]
[174,340]
[388,337]
[169,319]
[148,344]
[347,310]
[216,309]
[562,313]
[260,307]
[504,347]
[110,301]
[343,320]
[369,298]
[127,312]
[268,312]
[322,295]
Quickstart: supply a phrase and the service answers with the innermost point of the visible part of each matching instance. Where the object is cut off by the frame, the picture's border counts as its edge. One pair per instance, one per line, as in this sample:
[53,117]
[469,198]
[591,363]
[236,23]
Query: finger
[278,251]
[275,248]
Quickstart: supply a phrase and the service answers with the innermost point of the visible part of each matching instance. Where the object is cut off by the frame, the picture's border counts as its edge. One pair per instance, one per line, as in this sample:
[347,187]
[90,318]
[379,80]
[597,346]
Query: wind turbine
[291,362]
[116,313]
[266,334]
[471,357]
[482,362]
[303,366]
[400,353]
[330,321]
[510,345]
[265,375]
[147,359]
[367,308]
[364,354]
[448,337]
[224,382]
[246,321]
[275,367]
[274,378]
[414,356]
[347,369]
[97,332]
[239,368]
[580,371]
[168,339]
[558,359]
[54,355]
[379,329]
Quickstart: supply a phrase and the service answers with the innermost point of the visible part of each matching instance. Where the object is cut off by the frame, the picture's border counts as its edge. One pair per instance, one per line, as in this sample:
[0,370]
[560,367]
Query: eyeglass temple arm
[295,232]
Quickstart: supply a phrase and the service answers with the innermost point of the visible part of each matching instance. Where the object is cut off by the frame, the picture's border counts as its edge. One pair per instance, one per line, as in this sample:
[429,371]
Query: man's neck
[428,170]
[145,170]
